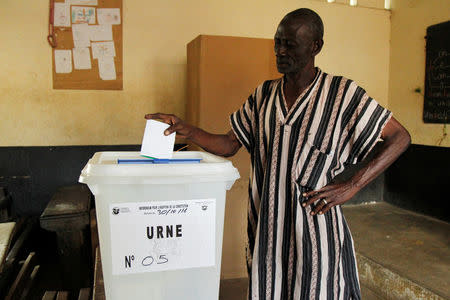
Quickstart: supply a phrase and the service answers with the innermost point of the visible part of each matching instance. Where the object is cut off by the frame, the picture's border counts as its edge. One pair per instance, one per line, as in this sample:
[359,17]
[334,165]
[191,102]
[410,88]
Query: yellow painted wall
[409,22]
[155,34]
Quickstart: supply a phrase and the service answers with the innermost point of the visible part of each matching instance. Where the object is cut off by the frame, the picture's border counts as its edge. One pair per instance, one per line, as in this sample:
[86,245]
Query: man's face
[294,46]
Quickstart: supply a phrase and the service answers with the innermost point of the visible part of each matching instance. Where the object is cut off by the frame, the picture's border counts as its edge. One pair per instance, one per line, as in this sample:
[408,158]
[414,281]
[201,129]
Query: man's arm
[396,140]
[219,144]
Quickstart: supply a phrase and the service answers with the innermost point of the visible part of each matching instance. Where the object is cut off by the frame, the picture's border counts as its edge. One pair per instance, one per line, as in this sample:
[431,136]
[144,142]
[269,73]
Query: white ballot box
[160,223]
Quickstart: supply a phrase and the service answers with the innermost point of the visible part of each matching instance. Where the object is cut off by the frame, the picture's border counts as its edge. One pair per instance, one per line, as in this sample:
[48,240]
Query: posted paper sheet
[159,236]
[103,49]
[107,68]
[108,16]
[81,58]
[82,2]
[101,32]
[155,143]
[83,15]
[63,61]
[61,16]
[81,35]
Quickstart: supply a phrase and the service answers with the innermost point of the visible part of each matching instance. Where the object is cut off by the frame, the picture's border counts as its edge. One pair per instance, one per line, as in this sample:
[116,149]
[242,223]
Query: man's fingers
[315,197]
[311,200]
[314,192]
[171,129]
[166,118]
[318,207]
[156,116]
[325,208]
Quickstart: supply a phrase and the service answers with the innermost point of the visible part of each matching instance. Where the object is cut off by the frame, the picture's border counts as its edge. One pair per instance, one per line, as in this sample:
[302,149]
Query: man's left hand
[329,196]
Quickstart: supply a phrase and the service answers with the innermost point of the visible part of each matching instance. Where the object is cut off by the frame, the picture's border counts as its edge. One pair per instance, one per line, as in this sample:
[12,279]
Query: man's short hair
[314,21]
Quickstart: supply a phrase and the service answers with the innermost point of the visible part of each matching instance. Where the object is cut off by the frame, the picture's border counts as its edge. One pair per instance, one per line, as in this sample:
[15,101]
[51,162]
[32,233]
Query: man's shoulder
[267,85]
[341,78]
[271,82]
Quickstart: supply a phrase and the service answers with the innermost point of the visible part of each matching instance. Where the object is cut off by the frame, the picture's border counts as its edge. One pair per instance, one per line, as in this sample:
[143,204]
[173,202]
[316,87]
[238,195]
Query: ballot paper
[155,144]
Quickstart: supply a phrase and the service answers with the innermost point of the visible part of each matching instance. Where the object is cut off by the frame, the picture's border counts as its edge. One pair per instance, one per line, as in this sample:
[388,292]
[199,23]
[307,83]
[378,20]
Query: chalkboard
[436,107]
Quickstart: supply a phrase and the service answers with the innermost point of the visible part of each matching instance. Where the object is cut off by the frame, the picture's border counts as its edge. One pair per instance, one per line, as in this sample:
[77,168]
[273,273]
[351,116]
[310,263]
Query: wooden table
[6,233]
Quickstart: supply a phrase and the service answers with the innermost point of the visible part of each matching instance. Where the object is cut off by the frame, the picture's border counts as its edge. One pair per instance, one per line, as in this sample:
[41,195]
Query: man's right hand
[219,144]
[183,129]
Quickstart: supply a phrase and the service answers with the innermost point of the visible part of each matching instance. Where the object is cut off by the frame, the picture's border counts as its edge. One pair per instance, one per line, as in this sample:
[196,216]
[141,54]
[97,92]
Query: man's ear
[317,46]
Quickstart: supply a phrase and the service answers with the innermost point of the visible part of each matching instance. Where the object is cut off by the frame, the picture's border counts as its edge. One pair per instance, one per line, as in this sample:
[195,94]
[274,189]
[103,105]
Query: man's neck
[296,83]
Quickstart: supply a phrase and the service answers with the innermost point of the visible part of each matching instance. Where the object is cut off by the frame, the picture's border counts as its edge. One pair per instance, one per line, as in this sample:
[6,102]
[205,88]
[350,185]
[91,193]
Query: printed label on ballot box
[162,235]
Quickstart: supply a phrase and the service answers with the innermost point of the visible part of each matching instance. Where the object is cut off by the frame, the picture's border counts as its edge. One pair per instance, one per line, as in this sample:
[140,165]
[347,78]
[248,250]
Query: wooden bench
[67,214]
[5,205]
[15,251]
[24,281]
[6,234]
[84,294]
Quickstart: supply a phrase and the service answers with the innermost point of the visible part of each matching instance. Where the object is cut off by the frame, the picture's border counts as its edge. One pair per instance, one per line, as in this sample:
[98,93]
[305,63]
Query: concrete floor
[413,246]
[236,289]
[401,255]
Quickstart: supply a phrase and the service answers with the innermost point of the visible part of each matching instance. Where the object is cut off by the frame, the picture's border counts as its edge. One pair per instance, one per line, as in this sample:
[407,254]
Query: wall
[416,180]
[155,36]
[409,22]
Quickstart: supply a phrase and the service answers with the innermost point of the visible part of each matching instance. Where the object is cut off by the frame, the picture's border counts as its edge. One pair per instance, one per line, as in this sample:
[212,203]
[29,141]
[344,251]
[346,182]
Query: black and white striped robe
[291,254]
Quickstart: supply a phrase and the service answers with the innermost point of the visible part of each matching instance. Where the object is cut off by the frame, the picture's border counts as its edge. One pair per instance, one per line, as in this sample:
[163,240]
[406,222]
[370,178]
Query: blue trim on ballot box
[160,161]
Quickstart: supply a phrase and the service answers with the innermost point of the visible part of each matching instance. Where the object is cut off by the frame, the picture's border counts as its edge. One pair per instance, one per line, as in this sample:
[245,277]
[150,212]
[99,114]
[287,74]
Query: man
[301,131]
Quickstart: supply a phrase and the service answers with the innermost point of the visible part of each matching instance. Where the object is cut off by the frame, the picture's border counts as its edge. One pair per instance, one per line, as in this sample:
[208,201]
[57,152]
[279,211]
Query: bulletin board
[86,36]
[436,108]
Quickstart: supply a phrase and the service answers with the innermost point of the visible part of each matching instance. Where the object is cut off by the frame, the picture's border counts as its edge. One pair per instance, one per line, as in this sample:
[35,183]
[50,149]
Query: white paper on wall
[82,2]
[81,35]
[101,32]
[81,58]
[107,68]
[63,61]
[108,16]
[83,14]
[61,16]
[103,49]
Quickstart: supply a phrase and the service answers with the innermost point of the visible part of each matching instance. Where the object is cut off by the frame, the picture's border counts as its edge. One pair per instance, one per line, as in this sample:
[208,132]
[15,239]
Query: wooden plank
[5,205]
[6,234]
[21,224]
[99,288]
[49,295]
[94,234]
[62,295]
[10,265]
[30,283]
[85,293]
[22,278]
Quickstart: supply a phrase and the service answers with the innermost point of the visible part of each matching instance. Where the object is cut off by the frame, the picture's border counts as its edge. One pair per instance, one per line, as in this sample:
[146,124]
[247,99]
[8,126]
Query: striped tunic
[291,254]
